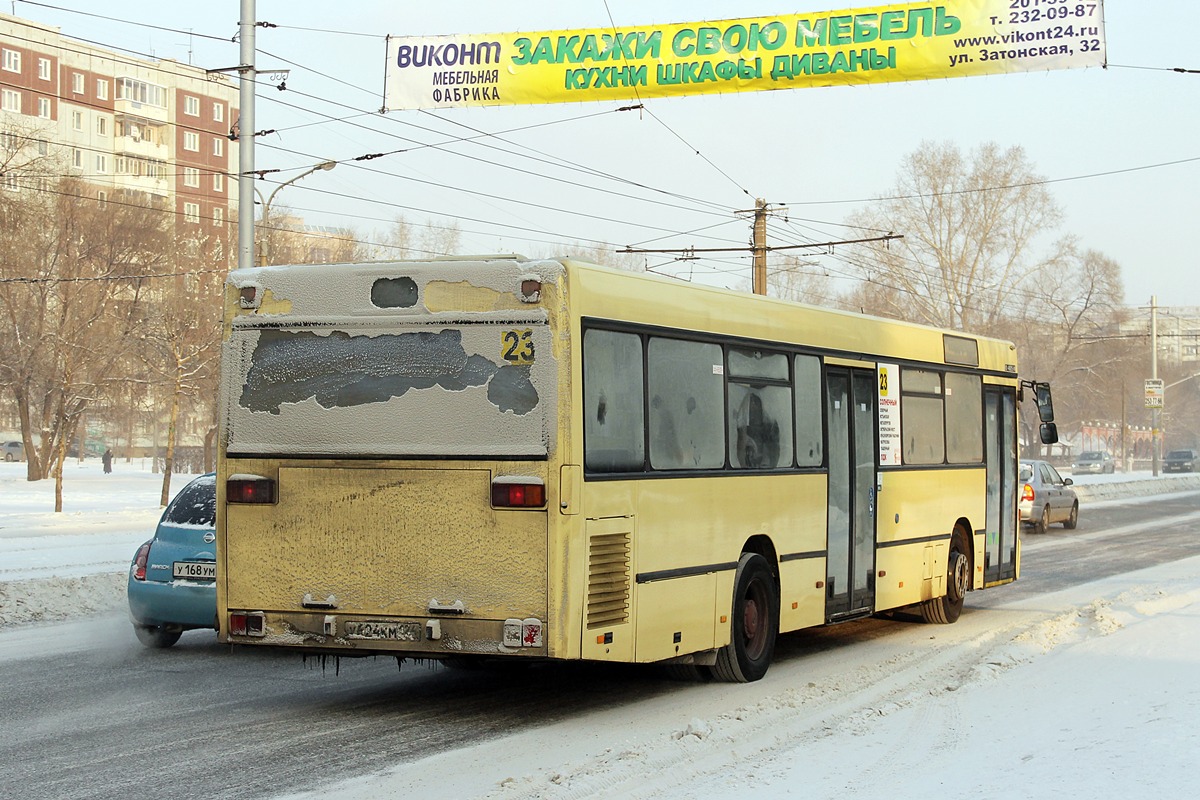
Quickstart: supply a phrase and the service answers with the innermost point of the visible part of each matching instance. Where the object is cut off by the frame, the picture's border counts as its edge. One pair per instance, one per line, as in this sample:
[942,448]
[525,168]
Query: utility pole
[246,136]
[759,246]
[1156,412]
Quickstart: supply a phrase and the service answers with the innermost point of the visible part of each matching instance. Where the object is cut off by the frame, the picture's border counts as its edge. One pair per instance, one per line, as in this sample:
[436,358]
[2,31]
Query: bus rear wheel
[755,623]
[947,609]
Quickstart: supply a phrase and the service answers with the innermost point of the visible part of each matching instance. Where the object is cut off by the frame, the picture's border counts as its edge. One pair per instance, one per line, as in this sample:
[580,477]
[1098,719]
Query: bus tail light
[523,632]
[520,492]
[247,623]
[1027,494]
[249,489]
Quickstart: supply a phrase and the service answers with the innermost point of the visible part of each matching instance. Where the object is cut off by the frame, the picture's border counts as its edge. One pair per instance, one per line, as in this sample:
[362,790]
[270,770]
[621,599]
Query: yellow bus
[546,459]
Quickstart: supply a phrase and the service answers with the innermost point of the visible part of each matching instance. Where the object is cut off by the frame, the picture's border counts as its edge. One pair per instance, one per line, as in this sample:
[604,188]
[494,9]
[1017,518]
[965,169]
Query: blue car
[172,580]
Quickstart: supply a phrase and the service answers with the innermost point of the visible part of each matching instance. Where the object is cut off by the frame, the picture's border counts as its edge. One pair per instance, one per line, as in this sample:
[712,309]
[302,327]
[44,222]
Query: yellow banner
[899,42]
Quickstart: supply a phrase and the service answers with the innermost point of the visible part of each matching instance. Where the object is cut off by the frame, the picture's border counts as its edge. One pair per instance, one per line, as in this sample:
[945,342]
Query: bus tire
[947,608]
[754,623]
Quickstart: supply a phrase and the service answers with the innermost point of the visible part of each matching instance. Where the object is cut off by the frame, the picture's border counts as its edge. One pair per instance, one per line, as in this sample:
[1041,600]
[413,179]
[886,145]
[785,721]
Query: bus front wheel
[755,623]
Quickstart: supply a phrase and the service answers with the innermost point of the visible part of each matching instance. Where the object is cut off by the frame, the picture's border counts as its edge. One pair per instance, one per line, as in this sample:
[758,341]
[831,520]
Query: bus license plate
[195,570]
[370,629]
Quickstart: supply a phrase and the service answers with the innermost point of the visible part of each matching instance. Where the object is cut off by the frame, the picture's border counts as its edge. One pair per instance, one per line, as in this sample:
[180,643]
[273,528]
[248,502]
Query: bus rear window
[408,390]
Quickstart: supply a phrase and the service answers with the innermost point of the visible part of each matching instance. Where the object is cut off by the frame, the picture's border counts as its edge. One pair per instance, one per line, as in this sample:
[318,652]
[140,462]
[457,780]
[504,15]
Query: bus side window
[614,431]
[687,406]
[760,410]
[810,412]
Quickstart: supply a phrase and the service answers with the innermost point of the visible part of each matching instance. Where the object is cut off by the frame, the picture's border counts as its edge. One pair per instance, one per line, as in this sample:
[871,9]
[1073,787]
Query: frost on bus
[377,362]
[343,370]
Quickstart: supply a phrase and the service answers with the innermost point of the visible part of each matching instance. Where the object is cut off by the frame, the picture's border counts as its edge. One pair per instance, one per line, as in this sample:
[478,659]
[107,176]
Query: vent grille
[608,580]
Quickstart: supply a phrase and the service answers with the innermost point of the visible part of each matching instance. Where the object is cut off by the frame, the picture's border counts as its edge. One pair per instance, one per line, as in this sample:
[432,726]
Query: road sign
[1154,393]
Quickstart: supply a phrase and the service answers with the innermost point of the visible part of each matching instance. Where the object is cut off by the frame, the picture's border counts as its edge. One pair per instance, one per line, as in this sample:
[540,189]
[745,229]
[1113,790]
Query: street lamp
[266,204]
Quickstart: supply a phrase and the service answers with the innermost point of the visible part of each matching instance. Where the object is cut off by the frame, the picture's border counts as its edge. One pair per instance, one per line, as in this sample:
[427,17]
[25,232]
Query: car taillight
[518,493]
[1027,493]
[249,489]
[139,562]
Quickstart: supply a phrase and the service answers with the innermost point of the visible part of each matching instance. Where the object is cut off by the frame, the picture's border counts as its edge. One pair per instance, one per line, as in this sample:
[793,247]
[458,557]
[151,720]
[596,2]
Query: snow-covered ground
[1089,692]
[56,566]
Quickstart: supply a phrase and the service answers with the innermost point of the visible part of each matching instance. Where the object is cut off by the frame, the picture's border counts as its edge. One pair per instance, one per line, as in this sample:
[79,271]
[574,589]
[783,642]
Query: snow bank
[56,599]
[58,566]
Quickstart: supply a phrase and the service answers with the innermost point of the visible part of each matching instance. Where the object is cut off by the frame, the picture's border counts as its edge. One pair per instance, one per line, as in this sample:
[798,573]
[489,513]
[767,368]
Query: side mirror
[1049,433]
[1045,404]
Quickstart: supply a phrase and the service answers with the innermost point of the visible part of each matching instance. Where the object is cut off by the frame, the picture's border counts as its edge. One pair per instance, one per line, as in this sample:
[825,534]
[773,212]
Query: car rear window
[196,504]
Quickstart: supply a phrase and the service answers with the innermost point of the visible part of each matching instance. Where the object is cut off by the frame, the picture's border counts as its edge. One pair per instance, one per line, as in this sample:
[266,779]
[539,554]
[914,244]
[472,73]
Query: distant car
[14,451]
[1098,462]
[1181,461]
[172,580]
[1046,497]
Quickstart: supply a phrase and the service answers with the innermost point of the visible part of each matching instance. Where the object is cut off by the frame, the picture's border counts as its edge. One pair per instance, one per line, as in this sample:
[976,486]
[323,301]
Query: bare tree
[973,227]
[74,267]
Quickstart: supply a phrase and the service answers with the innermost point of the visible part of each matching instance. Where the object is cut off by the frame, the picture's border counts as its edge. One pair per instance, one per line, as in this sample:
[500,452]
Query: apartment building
[121,123]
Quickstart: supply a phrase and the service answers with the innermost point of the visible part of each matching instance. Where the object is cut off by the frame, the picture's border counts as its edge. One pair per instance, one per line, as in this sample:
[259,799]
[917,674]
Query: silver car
[1099,462]
[1046,497]
[13,451]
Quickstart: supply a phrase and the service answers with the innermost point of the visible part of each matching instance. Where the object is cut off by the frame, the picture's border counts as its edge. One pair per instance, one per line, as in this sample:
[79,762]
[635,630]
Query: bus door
[851,412]
[1000,547]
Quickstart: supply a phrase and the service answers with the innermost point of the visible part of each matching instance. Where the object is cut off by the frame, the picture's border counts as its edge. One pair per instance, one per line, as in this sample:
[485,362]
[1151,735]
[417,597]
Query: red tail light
[1027,494]
[520,493]
[247,623]
[139,562]
[249,489]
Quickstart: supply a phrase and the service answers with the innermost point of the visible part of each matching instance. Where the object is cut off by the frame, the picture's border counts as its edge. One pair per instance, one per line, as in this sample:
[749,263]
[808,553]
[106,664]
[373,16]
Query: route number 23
[516,347]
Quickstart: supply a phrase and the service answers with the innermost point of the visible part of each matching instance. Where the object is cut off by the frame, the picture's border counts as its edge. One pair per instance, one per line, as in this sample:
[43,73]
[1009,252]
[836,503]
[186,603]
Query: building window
[101,164]
[191,177]
[10,100]
[101,89]
[43,147]
[218,216]
[191,105]
[102,126]
[77,158]
[44,68]
[218,112]
[218,182]
[10,181]
[218,146]
[77,82]
[191,212]
[77,120]
[102,196]
[12,60]
[191,141]
[44,107]
[140,92]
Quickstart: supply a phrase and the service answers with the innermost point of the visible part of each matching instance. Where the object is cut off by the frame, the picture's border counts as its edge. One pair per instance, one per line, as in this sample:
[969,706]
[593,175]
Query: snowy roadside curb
[1147,488]
[56,599]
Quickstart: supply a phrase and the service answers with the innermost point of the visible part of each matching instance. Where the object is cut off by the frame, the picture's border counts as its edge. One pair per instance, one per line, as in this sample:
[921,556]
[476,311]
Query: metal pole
[1155,413]
[246,138]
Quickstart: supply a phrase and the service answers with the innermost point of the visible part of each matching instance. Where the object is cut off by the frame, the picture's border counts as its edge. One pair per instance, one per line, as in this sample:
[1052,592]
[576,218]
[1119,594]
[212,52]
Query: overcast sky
[1131,128]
